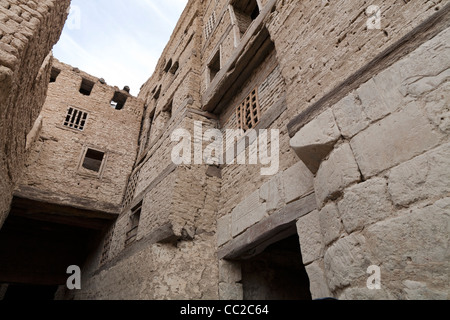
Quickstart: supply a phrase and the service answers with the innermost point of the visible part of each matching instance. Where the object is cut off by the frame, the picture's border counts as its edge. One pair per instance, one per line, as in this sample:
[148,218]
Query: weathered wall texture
[54,170]
[382,191]
[159,265]
[173,255]
[362,181]
[320,44]
[28,31]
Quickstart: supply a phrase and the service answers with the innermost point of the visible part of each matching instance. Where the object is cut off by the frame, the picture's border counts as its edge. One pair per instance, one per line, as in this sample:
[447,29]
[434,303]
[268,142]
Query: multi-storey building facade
[280,150]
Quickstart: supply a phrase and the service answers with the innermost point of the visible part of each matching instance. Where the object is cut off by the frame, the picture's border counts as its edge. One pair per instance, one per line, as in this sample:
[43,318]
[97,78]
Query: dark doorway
[39,241]
[277,273]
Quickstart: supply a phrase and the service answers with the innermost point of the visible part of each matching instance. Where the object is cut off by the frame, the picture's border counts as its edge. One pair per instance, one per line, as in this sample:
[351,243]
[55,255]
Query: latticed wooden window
[210,25]
[107,246]
[131,188]
[76,119]
[249,112]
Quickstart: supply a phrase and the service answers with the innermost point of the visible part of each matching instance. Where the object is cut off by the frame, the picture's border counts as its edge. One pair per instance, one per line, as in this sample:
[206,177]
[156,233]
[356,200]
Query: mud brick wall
[28,31]
[58,154]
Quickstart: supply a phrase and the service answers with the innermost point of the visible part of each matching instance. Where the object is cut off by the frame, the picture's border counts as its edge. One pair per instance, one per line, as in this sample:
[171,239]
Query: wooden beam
[278,226]
[66,203]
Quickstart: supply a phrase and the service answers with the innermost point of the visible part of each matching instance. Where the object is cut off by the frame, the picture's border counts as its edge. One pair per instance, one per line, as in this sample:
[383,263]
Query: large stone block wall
[382,190]
[28,31]
[58,152]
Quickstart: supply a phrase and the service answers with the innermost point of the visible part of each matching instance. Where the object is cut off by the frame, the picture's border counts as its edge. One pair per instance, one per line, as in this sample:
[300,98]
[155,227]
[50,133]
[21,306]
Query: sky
[118,40]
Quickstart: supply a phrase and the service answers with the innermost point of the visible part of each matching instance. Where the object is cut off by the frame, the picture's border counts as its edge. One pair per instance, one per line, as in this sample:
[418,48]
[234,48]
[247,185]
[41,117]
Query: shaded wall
[28,31]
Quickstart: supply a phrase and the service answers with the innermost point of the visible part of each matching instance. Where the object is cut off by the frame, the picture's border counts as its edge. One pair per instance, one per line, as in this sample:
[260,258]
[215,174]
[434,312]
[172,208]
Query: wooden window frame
[76,119]
[89,173]
[248,113]
[133,225]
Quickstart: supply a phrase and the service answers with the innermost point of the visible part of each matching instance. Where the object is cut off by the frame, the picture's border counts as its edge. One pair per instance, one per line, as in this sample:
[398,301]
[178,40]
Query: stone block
[272,193]
[298,181]
[365,294]
[330,223]
[335,174]
[223,230]
[229,272]
[416,290]
[420,85]
[316,140]
[310,236]
[347,261]
[350,116]
[317,280]
[437,107]
[429,59]
[365,204]
[423,177]
[247,213]
[415,242]
[395,139]
[372,102]
[231,291]
[389,85]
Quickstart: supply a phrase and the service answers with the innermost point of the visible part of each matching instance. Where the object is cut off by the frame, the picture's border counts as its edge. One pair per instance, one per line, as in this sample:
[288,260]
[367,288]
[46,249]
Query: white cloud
[120,41]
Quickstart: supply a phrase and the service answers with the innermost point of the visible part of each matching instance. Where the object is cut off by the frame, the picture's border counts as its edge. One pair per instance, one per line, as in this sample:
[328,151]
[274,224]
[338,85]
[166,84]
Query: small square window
[168,66]
[168,110]
[54,74]
[246,11]
[248,113]
[133,224]
[214,66]
[93,160]
[175,67]
[157,92]
[76,119]
[119,100]
[86,87]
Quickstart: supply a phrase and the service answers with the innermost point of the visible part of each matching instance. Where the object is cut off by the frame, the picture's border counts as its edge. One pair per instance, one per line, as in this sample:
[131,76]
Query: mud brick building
[28,31]
[363,168]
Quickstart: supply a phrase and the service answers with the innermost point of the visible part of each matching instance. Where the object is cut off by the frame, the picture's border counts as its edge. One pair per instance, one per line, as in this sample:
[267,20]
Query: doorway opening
[278,273]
